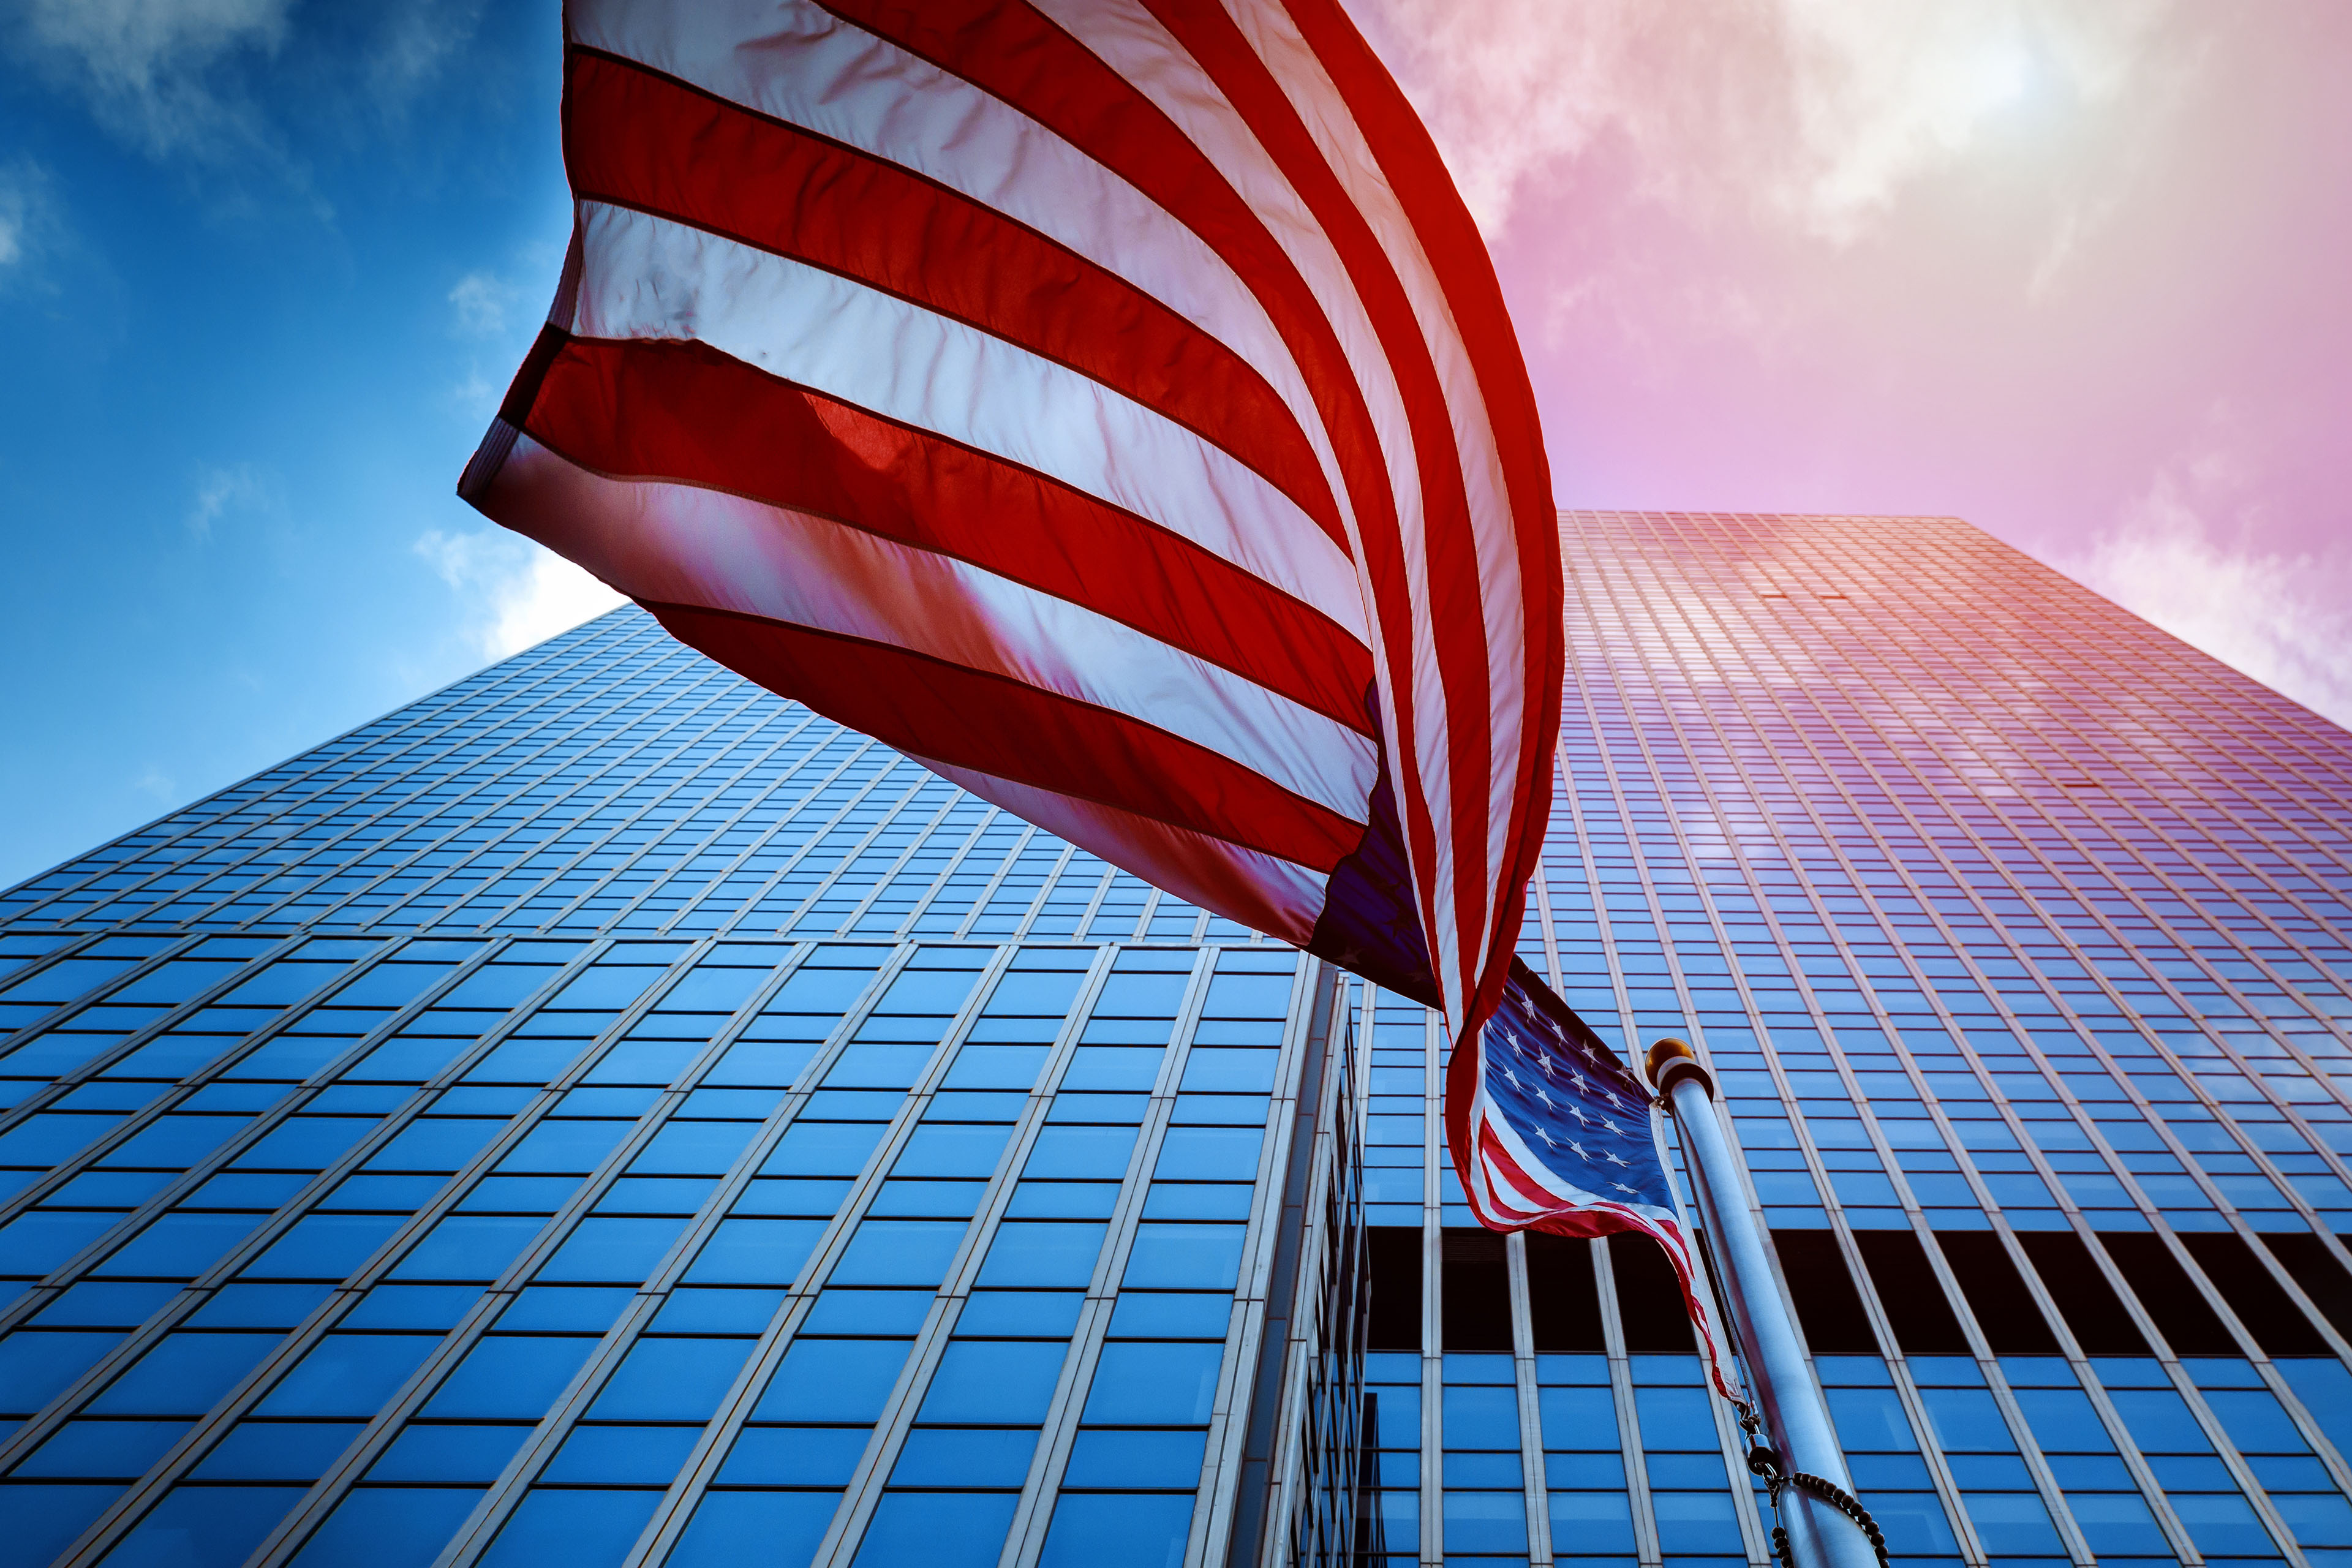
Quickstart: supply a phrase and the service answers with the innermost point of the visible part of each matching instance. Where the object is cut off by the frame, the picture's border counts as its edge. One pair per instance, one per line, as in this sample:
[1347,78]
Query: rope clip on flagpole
[1825,1527]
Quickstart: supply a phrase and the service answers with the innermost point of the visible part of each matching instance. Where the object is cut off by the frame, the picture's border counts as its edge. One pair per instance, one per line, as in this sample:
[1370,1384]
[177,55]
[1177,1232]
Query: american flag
[1551,1131]
[1108,403]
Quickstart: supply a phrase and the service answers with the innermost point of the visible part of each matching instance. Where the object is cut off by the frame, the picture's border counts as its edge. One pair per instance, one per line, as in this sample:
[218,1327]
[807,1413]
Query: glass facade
[604,1115]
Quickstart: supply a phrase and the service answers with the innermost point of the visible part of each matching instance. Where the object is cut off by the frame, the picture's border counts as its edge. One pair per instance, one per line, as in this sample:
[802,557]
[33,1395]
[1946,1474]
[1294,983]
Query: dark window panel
[2314,1268]
[1649,1298]
[2163,1287]
[2005,1310]
[1563,1297]
[1475,1291]
[1393,1261]
[1910,1293]
[2088,1303]
[1827,1304]
[2269,1313]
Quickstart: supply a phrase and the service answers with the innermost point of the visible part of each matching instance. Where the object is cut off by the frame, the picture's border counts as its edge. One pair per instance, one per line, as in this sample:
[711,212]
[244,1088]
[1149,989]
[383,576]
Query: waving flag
[1108,403]
[1551,1131]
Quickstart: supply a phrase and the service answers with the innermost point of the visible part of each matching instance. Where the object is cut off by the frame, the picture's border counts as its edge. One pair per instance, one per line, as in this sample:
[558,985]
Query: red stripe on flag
[1019,56]
[1271,897]
[1450,238]
[994,724]
[683,411]
[637,138]
[1450,557]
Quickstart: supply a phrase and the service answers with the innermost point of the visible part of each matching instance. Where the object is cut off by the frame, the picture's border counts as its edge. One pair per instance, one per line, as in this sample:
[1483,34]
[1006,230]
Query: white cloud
[515,593]
[28,220]
[1815,113]
[2185,555]
[239,486]
[12,222]
[481,301]
[415,42]
[148,66]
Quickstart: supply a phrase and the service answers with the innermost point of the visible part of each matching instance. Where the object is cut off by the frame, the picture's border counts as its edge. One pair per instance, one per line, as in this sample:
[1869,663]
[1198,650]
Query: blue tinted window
[832,1380]
[573,1529]
[730,1529]
[1143,1384]
[952,1530]
[1092,1528]
[1042,1254]
[671,1380]
[994,1381]
[510,1377]
[348,1374]
[183,1375]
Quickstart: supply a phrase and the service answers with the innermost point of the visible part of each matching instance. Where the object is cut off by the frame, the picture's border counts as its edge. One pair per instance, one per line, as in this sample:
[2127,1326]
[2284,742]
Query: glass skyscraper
[603,1115]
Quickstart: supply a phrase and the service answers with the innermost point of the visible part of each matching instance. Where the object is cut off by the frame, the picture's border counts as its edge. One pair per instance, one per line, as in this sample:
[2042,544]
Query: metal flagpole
[1826,1528]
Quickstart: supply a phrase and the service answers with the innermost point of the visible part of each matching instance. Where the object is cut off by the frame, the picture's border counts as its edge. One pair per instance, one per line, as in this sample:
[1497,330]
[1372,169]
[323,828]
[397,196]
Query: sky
[2072,271]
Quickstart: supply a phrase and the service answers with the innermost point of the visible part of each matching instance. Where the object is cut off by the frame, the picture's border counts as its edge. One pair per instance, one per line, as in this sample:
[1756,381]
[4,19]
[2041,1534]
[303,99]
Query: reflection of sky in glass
[543,1038]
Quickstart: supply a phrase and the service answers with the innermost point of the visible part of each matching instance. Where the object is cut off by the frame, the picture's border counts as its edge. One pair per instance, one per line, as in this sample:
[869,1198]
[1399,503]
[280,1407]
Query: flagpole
[1822,1534]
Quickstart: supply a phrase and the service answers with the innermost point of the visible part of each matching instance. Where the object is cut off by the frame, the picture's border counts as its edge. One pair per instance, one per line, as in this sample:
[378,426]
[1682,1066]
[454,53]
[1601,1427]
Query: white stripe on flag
[1277,897]
[1132,41]
[799,64]
[1300,72]
[681,544]
[648,278]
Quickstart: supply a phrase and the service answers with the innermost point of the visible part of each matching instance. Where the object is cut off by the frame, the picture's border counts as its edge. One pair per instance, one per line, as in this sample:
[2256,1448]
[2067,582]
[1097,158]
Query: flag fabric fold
[1551,1131]
[1108,403]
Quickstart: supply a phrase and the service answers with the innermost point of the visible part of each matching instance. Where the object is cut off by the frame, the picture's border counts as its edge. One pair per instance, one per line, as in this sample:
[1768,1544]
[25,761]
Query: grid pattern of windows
[604,1115]
[2015,933]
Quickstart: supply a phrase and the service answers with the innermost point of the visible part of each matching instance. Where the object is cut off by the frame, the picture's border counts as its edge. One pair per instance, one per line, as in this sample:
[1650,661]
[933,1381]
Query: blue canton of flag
[1551,1131]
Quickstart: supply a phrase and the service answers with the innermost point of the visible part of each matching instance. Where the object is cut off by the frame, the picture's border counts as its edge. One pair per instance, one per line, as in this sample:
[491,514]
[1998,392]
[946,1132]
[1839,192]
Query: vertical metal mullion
[1103,885]
[1261,1390]
[1914,1407]
[1753,1537]
[1012,853]
[921,836]
[904,930]
[498,1504]
[1433,1297]
[2028,1448]
[173,1094]
[270,1228]
[1045,891]
[1539,894]
[675,1513]
[831,878]
[297,1342]
[1033,1514]
[1629,1418]
[1523,1366]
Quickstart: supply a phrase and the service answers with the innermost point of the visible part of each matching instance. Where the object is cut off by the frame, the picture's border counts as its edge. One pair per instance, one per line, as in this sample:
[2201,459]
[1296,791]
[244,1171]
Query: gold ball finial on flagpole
[1671,1059]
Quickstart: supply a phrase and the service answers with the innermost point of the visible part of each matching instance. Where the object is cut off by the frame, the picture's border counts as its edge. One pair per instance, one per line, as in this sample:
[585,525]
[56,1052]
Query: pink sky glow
[2079,273]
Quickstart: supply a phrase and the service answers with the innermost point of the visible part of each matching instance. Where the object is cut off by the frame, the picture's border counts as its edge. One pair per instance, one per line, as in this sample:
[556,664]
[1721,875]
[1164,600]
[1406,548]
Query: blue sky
[2069,268]
[264,271]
